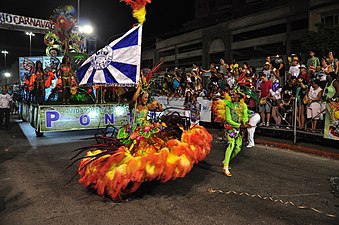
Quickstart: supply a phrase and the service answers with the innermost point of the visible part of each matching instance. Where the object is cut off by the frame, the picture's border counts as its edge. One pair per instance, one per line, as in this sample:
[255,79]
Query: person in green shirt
[313,63]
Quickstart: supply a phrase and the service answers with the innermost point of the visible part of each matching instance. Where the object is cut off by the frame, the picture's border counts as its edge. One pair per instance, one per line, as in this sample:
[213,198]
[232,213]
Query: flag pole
[139,69]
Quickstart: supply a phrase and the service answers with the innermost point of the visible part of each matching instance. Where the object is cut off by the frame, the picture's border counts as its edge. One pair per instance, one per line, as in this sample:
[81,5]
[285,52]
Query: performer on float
[37,82]
[66,73]
[233,111]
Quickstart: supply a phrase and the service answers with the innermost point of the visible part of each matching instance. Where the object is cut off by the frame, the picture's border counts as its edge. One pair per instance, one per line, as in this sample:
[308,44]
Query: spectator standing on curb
[287,96]
[275,92]
[314,104]
[302,86]
[265,107]
[5,107]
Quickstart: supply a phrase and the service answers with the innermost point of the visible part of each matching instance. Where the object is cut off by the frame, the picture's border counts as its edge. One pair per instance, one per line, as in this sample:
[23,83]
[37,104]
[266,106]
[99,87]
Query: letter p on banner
[51,116]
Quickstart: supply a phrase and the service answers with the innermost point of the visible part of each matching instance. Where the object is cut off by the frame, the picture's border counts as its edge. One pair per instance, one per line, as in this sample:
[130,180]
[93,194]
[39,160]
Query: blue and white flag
[116,64]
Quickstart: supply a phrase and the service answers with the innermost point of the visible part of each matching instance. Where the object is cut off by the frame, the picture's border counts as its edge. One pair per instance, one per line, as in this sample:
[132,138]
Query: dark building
[242,30]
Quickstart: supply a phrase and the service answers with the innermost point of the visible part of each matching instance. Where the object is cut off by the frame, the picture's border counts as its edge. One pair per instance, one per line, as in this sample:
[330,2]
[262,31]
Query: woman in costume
[140,104]
[66,73]
[234,113]
[37,82]
[161,150]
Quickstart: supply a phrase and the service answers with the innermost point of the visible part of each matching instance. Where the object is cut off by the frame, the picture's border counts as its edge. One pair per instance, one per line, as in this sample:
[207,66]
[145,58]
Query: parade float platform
[55,118]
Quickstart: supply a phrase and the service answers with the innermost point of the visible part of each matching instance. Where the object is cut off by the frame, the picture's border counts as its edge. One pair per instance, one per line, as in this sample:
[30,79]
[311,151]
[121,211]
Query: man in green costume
[236,122]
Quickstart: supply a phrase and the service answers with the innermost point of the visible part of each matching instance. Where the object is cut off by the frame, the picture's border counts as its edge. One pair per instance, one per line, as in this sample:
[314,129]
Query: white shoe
[249,146]
[226,171]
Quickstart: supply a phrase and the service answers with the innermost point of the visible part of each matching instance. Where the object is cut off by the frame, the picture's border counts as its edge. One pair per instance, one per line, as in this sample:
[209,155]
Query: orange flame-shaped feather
[139,9]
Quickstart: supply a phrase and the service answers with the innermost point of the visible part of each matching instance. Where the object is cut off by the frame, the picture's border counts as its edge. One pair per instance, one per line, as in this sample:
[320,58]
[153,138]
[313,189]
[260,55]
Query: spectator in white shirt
[5,105]
[294,69]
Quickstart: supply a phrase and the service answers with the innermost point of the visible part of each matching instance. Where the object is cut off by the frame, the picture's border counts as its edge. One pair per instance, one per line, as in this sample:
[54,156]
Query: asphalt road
[34,189]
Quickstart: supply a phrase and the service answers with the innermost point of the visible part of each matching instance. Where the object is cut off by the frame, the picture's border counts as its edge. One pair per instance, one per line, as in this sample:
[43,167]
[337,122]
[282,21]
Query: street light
[30,34]
[86,29]
[5,53]
[85,32]
[7,75]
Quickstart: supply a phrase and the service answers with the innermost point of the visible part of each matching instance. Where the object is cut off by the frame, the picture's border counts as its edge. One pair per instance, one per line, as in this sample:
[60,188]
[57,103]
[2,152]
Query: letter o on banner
[84,120]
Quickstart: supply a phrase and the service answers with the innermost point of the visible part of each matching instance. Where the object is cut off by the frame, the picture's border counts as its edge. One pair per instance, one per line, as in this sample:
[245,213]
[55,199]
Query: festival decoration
[331,128]
[154,151]
[52,40]
[139,9]
[63,24]
[116,64]
[146,81]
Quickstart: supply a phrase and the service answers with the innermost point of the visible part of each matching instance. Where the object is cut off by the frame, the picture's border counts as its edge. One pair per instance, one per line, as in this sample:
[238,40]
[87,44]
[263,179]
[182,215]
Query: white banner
[177,105]
[10,19]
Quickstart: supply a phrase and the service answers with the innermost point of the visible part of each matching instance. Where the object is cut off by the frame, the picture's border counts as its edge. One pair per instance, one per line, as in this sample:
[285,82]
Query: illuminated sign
[10,19]
[76,117]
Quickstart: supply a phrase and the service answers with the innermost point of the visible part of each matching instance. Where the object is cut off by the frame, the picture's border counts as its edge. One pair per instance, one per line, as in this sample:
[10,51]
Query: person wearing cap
[267,70]
[236,122]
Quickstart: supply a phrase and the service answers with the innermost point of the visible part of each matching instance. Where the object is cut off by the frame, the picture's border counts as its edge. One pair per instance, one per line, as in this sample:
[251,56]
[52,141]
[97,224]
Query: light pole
[78,22]
[5,54]
[30,34]
[85,32]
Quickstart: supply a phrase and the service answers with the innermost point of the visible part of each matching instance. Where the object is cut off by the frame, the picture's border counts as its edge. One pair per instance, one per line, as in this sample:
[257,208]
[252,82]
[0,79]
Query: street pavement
[269,186]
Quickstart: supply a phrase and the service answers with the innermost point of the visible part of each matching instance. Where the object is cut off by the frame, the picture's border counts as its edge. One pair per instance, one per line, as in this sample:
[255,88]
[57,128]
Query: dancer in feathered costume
[162,150]
[233,112]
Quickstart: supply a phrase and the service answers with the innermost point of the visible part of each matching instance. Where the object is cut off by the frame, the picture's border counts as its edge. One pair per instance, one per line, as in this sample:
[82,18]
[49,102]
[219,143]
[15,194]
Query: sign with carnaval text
[10,20]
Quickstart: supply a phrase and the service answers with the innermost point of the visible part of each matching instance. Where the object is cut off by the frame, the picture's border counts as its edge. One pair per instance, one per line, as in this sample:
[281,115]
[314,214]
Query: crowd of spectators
[274,88]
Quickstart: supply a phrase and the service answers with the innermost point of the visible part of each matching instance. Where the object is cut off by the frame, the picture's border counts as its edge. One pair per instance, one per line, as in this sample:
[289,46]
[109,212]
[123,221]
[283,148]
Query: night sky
[108,17]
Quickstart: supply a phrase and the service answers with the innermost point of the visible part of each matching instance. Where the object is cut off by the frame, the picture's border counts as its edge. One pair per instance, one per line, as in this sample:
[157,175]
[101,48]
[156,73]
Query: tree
[323,40]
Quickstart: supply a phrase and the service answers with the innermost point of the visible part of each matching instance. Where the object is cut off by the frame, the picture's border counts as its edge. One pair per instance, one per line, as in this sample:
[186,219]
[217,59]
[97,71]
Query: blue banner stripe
[82,71]
[90,79]
[128,70]
[130,40]
[108,77]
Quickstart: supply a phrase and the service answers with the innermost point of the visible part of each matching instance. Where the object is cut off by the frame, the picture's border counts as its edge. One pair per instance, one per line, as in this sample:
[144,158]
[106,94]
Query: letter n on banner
[109,119]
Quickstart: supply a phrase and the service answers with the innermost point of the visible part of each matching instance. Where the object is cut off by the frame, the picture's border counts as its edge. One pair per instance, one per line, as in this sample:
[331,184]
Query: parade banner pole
[295,121]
